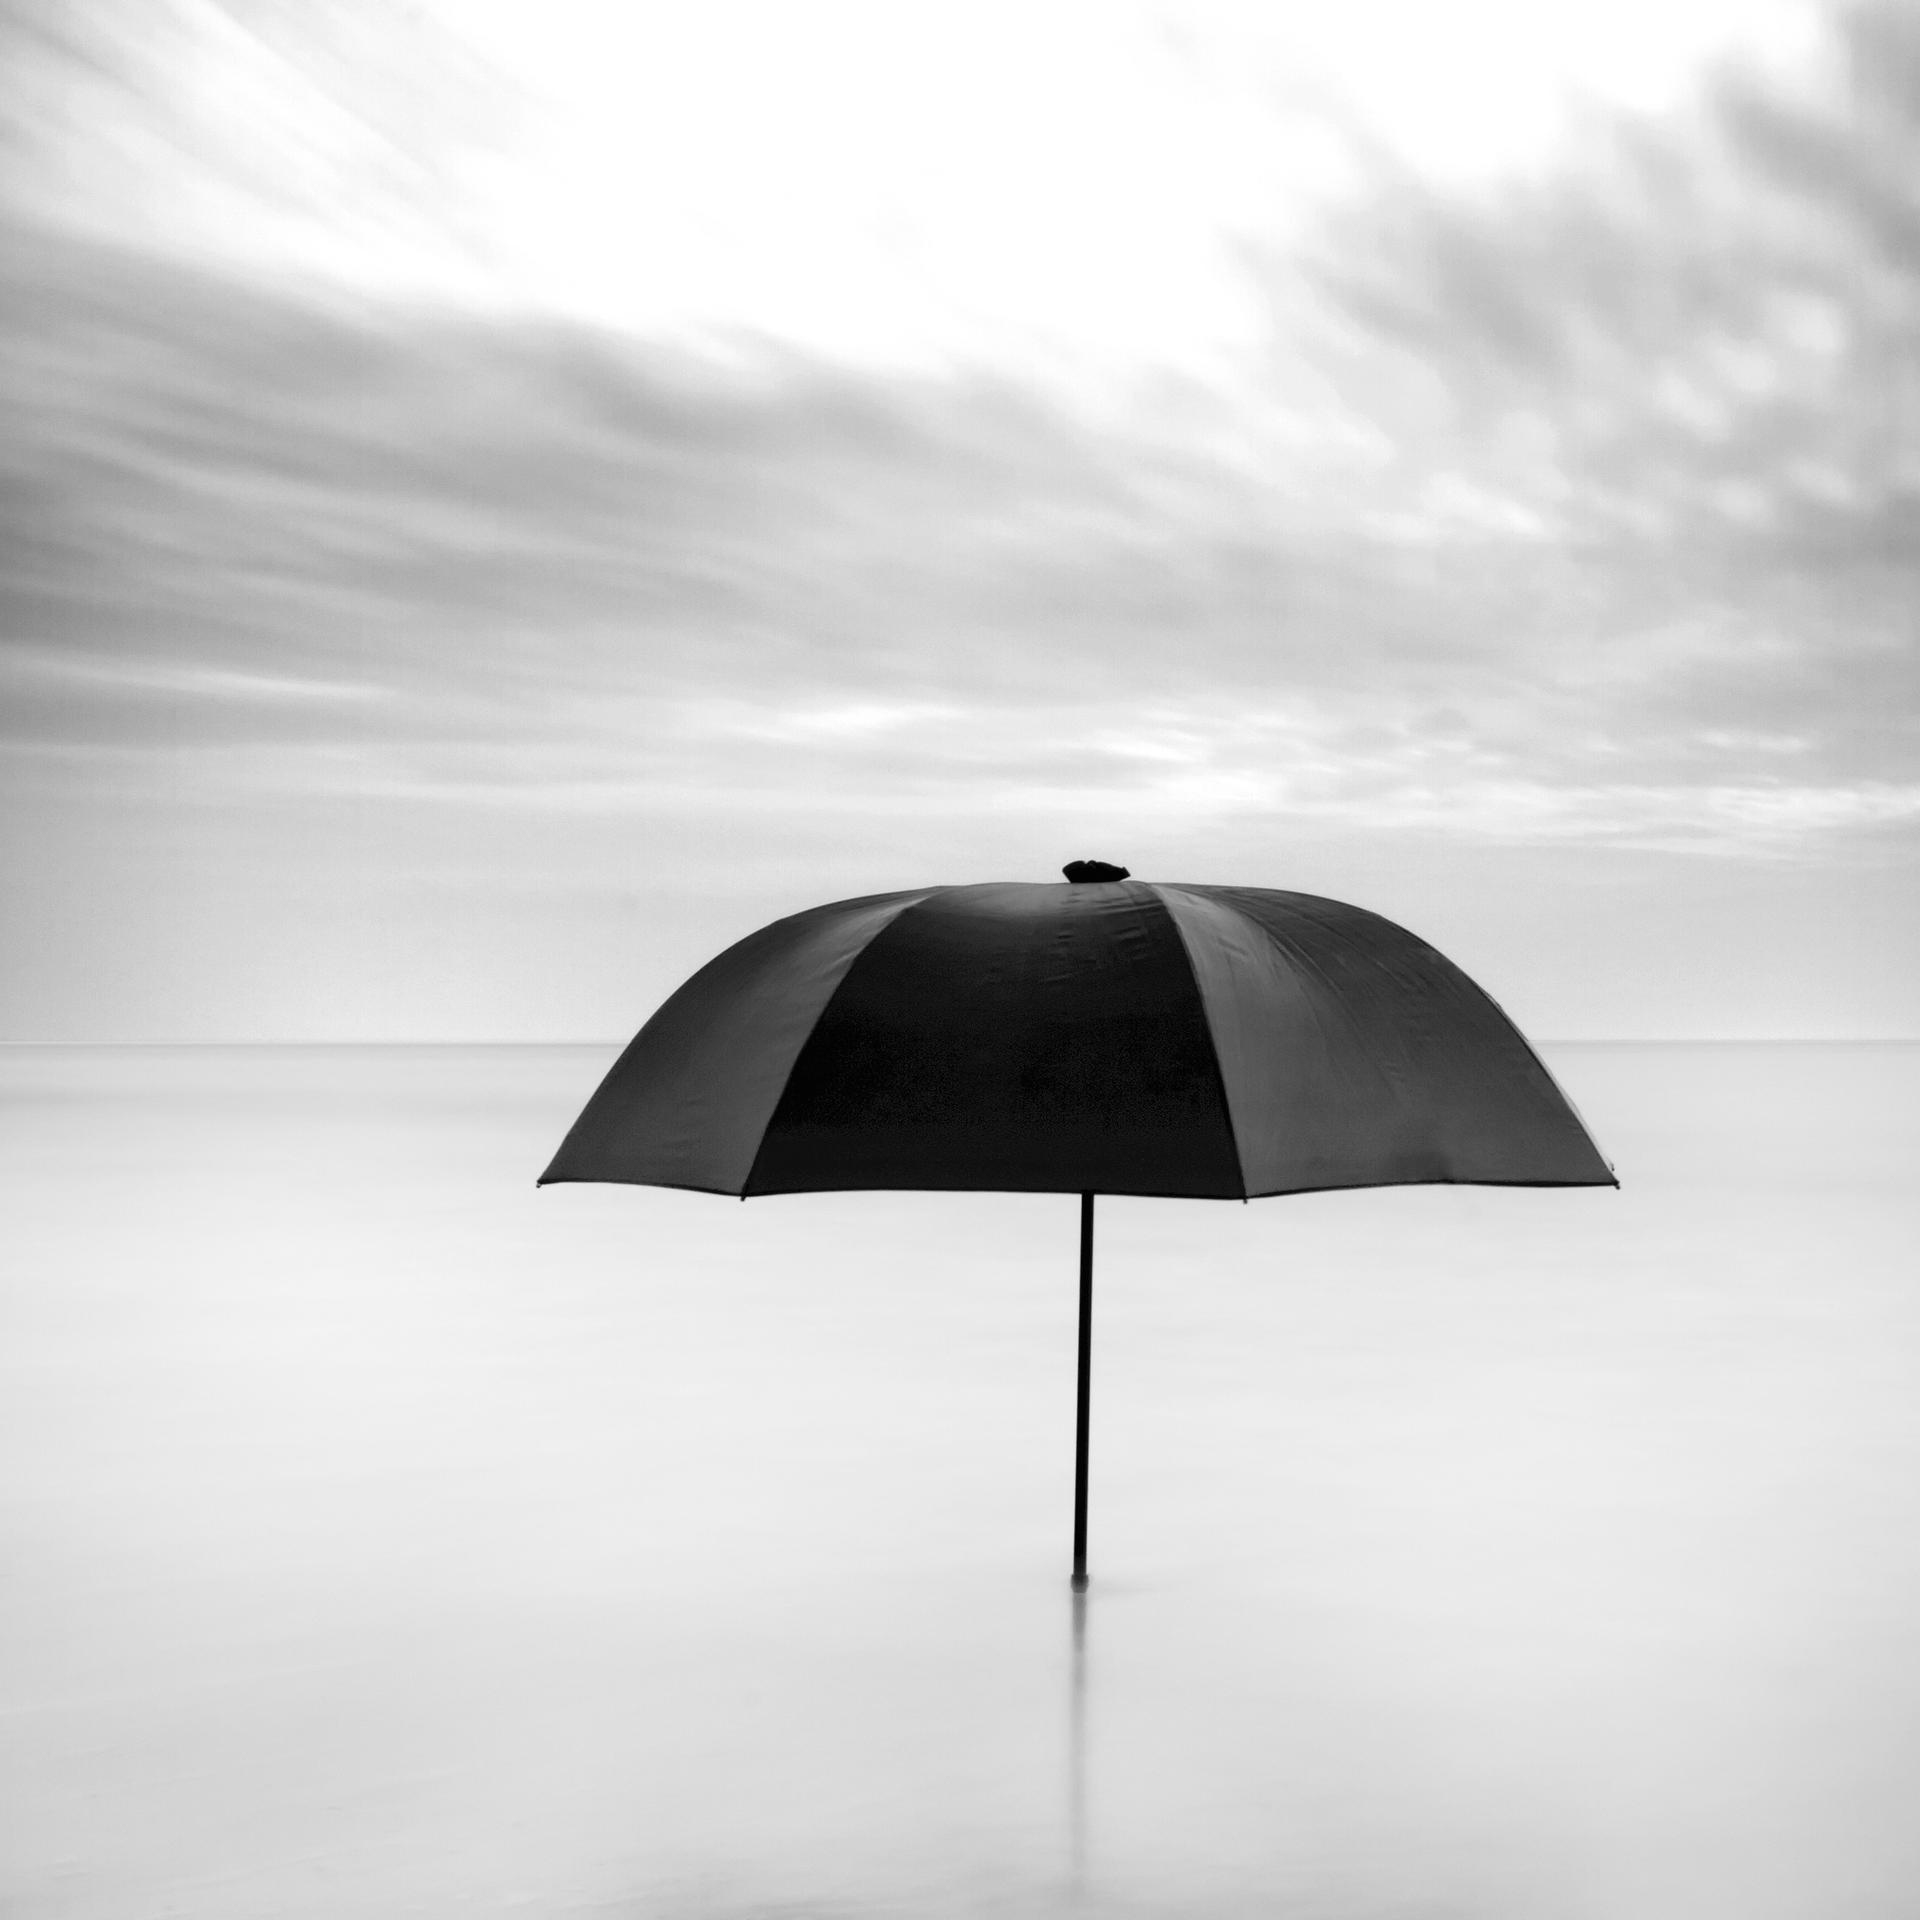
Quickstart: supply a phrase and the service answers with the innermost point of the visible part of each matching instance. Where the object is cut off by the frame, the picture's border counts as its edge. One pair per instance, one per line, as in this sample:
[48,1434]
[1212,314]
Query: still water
[385,1538]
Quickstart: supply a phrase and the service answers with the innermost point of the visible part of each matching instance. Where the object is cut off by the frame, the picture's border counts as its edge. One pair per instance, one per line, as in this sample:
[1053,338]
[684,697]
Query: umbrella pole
[1080,1408]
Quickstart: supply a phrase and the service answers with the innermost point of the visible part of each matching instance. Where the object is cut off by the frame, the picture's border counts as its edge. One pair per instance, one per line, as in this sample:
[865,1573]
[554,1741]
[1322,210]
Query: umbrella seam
[1219,896]
[1213,1039]
[820,1013]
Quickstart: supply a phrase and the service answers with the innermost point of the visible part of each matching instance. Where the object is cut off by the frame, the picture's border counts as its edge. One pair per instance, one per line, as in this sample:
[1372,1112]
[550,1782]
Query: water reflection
[1077,1746]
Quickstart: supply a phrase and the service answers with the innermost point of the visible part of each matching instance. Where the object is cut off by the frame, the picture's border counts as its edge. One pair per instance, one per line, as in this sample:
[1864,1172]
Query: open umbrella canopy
[1105,1035]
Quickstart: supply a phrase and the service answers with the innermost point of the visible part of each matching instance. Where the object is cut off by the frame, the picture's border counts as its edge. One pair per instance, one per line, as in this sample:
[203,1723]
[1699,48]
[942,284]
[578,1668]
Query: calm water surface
[384,1538]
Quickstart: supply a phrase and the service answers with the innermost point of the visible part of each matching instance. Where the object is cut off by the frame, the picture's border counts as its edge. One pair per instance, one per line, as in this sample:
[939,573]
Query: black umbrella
[1106,1036]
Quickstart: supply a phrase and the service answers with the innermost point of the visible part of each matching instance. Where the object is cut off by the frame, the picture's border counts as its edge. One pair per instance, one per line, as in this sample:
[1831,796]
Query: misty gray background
[498,500]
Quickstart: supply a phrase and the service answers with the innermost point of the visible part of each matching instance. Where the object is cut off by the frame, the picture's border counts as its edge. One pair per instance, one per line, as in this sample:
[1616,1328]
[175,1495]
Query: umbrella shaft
[1081,1404]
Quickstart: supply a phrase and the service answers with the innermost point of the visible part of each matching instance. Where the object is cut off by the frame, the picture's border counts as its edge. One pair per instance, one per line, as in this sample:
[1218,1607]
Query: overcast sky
[505,496]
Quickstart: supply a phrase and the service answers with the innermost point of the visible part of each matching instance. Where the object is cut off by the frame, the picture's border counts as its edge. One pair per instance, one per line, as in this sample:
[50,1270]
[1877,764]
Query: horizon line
[1562,1040]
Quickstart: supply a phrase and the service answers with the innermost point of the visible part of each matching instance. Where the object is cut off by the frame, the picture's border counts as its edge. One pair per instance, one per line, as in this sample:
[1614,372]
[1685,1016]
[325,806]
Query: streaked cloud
[1558,493]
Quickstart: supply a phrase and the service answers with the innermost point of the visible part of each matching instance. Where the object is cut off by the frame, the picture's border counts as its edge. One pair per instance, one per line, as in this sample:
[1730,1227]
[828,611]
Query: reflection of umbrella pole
[1080,1411]
[1077,1746]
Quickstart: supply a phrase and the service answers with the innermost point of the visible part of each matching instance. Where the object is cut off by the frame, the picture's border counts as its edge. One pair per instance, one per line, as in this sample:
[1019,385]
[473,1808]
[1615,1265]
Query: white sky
[1058,185]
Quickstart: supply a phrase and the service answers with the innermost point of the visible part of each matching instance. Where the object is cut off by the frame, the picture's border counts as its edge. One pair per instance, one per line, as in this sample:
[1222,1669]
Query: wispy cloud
[1573,507]
[246,517]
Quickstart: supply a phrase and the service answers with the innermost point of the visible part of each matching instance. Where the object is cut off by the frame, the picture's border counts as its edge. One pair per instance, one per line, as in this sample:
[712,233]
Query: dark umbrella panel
[1105,1036]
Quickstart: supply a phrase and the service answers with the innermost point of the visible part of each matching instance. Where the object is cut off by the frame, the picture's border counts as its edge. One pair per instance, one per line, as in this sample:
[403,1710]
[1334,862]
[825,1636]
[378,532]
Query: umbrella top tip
[1085,873]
